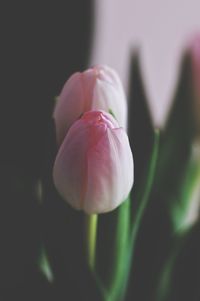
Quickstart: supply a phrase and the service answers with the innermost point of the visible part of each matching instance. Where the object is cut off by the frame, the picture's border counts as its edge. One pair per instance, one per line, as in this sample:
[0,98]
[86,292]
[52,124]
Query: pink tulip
[194,51]
[195,55]
[93,170]
[98,88]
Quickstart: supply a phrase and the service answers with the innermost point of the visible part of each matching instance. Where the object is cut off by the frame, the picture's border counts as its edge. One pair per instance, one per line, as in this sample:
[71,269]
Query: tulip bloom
[97,88]
[194,51]
[195,56]
[93,170]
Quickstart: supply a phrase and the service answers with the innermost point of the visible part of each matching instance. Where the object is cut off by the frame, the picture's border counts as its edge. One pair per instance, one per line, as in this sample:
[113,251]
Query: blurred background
[42,44]
[160,29]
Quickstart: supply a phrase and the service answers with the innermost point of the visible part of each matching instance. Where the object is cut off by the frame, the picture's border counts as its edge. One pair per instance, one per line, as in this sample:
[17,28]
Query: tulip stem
[91,228]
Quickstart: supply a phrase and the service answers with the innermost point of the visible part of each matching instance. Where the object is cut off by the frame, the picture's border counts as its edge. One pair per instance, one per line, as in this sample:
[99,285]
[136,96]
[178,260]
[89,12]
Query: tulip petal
[69,167]
[93,170]
[97,88]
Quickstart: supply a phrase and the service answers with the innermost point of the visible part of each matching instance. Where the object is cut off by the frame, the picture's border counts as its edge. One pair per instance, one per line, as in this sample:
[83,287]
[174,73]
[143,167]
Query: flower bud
[194,51]
[98,88]
[93,170]
[195,55]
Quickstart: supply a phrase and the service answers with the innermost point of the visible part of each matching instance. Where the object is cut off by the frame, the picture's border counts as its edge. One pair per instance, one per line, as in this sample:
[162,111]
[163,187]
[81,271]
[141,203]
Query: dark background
[41,44]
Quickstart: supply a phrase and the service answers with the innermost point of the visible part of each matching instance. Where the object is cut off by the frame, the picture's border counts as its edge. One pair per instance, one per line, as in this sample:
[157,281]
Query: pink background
[160,28]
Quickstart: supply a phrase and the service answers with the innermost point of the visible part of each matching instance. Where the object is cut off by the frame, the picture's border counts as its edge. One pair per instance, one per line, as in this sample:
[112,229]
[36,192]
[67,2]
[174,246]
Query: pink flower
[194,51]
[98,88]
[195,55]
[93,170]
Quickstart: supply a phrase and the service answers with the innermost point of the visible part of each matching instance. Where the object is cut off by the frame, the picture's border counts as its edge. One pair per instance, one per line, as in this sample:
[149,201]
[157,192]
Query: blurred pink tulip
[93,170]
[194,51]
[98,88]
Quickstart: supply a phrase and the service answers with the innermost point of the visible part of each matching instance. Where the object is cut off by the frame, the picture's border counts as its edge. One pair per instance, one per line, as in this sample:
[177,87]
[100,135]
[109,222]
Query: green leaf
[165,279]
[179,279]
[44,266]
[144,194]
[177,170]
[143,199]
[141,130]
[145,143]
[177,137]
[184,209]
[175,180]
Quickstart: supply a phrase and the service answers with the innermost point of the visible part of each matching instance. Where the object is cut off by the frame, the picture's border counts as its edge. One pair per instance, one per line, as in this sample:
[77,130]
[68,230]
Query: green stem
[148,187]
[143,202]
[116,290]
[125,242]
[91,228]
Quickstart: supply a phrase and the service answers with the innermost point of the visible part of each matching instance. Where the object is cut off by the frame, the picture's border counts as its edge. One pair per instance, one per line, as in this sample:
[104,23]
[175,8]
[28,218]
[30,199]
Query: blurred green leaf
[179,279]
[143,198]
[143,195]
[44,265]
[144,142]
[141,130]
[172,172]
[126,233]
[178,171]
[176,141]
[184,209]
[166,275]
